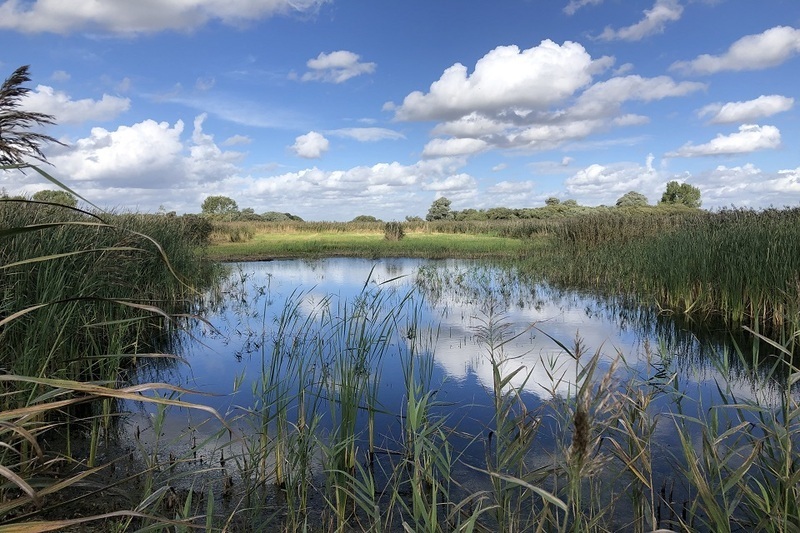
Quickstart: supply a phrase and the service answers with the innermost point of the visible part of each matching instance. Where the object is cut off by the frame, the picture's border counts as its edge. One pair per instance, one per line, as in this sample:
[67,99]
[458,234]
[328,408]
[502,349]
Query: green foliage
[570,203]
[17,142]
[500,213]
[365,218]
[220,207]
[552,201]
[274,216]
[440,210]
[681,193]
[56,197]
[196,229]
[632,199]
[393,231]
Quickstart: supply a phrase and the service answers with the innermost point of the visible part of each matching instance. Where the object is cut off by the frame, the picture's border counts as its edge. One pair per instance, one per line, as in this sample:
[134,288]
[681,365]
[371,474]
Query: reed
[739,265]
[85,297]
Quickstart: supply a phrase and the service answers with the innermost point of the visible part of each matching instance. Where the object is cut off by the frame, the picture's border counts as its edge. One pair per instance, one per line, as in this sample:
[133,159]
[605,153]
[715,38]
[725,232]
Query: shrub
[393,231]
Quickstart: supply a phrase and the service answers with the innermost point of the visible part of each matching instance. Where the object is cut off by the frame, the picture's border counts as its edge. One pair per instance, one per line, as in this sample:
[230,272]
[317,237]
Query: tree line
[675,194]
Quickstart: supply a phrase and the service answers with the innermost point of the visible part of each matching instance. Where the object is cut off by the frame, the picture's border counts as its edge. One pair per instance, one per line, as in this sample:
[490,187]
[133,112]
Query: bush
[197,229]
[393,231]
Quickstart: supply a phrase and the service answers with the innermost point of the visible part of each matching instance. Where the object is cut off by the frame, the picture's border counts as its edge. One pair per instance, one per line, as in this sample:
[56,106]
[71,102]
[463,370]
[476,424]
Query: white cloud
[623,69]
[453,147]
[237,140]
[748,186]
[654,21]
[530,100]
[142,155]
[763,106]
[605,98]
[45,99]
[367,134]
[749,138]
[575,5]
[472,125]
[206,161]
[141,16]
[505,78]
[146,155]
[336,67]
[752,52]
[604,184]
[311,145]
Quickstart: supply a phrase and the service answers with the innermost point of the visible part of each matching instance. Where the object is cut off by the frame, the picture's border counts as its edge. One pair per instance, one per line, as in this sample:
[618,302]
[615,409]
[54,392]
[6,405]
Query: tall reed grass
[740,265]
[85,296]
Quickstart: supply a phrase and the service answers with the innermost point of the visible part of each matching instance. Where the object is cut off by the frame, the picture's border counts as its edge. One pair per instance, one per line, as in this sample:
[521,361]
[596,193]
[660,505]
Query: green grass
[351,244]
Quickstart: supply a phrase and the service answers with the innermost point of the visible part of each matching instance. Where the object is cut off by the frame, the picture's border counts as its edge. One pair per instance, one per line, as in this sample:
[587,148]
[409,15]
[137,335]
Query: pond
[361,381]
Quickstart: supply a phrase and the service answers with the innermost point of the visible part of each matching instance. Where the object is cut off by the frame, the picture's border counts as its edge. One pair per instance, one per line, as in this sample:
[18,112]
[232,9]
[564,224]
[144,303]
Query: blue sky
[330,109]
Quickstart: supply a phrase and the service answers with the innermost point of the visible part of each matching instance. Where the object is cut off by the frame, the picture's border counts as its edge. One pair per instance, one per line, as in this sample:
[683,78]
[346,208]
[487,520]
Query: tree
[17,142]
[440,210]
[56,197]
[552,201]
[681,193]
[570,203]
[365,218]
[632,199]
[220,207]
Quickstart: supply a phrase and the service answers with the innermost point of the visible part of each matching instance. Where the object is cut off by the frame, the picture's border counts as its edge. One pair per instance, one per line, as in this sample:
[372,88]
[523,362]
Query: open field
[264,246]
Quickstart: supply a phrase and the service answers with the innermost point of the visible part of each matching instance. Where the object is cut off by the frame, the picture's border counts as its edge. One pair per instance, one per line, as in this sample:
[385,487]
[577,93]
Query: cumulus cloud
[654,21]
[604,184]
[749,138]
[748,186]
[763,106]
[141,155]
[751,52]
[146,155]
[47,100]
[141,16]
[505,78]
[311,145]
[530,100]
[385,189]
[336,67]
[367,134]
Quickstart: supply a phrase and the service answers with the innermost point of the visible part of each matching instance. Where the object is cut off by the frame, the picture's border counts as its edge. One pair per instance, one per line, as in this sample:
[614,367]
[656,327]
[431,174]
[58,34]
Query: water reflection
[459,297]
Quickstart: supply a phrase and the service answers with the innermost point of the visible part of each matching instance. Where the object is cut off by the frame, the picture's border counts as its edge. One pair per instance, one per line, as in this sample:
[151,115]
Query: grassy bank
[738,266]
[372,244]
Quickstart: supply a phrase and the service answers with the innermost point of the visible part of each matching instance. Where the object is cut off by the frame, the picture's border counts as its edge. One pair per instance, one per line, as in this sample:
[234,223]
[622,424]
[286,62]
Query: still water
[308,338]
[451,301]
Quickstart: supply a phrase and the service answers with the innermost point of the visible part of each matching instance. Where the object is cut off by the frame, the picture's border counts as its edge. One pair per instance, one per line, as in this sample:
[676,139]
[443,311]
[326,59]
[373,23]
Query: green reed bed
[740,265]
[84,296]
[84,287]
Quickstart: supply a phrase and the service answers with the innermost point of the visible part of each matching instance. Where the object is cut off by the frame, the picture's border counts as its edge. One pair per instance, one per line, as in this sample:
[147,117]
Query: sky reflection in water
[457,298]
